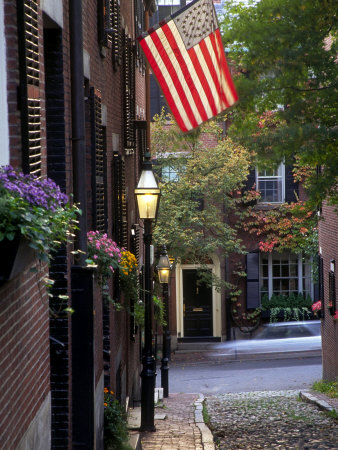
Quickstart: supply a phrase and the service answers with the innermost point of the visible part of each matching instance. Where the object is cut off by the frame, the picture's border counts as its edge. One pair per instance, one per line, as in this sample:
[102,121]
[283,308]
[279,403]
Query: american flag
[186,55]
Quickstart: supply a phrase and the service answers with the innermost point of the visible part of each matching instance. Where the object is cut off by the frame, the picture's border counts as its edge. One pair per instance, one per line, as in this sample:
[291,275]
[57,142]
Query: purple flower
[36,191]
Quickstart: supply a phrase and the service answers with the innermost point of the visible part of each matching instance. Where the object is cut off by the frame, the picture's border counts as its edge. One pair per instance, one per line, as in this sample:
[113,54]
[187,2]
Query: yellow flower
[106,390]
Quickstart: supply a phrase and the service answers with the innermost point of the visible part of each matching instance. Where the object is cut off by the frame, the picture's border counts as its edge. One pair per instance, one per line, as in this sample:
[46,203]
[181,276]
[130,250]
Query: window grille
[117,34]
[284,274]
[270,183]
[99,163]
[120,230]
[128,94]
[28,38]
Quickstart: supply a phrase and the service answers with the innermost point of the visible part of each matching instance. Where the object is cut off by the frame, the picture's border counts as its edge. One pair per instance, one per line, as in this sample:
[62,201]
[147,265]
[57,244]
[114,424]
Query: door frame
[216,297]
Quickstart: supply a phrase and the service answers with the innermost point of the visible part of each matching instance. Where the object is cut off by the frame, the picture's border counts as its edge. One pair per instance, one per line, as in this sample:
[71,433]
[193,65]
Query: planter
[15,257]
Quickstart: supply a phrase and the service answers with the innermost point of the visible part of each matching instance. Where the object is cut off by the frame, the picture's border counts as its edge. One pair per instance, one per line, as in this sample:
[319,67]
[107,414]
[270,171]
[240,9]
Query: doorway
[197,305]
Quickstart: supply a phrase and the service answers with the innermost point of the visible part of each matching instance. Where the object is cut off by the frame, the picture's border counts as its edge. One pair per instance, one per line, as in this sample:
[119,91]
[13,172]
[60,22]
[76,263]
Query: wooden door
[197,306]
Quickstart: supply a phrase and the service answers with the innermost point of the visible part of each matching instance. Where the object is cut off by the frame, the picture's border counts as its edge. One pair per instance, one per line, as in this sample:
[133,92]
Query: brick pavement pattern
[178,430]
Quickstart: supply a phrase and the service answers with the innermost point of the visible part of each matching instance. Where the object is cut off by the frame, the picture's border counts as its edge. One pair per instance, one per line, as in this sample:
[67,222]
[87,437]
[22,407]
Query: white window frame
[300,276]
[279,178]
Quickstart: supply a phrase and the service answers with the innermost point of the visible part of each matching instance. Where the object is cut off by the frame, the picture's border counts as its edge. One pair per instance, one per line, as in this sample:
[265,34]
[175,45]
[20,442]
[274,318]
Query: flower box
[16,256]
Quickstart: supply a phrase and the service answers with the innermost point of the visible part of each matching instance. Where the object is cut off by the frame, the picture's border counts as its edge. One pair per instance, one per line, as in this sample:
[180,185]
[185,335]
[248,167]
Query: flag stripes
[196,82]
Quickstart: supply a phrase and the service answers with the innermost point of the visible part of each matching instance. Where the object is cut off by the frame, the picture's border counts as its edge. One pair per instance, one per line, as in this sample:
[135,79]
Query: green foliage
[291,307]
[329,388]
[285,56]
[209,168]
[159,310]
[115,424]
[139,313]
[45,226]
[286,301]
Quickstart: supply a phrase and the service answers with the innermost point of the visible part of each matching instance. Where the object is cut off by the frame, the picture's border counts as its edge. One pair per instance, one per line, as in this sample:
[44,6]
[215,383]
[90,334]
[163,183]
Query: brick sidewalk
[178,430]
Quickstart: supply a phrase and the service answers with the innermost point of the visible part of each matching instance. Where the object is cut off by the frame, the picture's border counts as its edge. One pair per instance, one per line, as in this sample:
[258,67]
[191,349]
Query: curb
[310,398]
[207,437]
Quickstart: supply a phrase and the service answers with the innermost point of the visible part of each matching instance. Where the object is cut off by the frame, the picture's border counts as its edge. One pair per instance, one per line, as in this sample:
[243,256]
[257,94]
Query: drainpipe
[78,125]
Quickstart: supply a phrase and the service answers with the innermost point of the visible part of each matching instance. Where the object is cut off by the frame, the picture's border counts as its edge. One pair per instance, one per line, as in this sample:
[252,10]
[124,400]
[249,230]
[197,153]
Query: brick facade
[38,347]
[328,249]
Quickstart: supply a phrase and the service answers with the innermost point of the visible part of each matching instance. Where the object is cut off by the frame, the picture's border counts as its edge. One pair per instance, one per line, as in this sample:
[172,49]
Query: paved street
[212,377]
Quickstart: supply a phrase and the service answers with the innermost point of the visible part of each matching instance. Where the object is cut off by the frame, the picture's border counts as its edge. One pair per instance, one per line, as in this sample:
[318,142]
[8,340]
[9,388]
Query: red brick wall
[328,246]
[24,355]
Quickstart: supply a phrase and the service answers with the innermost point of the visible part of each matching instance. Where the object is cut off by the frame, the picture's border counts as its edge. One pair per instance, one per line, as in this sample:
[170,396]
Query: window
[169,2]
[169,173]
[270,183]
[284,273]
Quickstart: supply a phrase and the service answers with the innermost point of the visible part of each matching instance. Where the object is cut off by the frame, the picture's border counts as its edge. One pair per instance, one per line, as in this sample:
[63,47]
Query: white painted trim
[53,9]
[4,141]
[216,297]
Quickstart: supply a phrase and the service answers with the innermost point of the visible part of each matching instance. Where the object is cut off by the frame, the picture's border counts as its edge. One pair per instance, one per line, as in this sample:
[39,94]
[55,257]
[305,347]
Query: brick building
[73,109]
[328,245]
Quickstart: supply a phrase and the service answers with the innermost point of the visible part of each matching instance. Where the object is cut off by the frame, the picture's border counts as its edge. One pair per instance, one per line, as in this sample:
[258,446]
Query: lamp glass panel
[147,204]
[163,275]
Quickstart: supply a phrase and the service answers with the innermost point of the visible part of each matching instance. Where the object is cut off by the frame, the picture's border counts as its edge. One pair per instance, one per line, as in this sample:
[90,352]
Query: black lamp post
[147,195]
[164,268]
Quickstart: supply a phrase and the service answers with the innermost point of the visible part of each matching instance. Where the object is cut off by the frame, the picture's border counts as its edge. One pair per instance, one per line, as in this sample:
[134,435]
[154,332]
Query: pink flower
[335,317]
[111,268]
[316,306]
[95,256]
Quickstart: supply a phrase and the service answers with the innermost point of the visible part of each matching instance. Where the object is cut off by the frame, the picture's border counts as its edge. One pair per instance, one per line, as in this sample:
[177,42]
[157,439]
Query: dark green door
[197,306]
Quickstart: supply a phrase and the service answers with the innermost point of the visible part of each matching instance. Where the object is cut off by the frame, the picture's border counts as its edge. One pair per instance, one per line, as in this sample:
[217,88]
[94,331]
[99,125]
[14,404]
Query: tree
[206,169]
[285,54]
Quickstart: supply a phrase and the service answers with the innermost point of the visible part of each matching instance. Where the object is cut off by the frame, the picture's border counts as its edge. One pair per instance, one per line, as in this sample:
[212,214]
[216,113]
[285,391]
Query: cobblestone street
[272,420]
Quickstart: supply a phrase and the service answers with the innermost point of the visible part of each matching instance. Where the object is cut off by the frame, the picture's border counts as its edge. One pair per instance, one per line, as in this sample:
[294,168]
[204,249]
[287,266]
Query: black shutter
[28,38]
[139,28]
[251,180]
[128,81]
[117,34]
[141,141]
[321,282]
[291,188]
[98,163]
[252,280]
[120,227]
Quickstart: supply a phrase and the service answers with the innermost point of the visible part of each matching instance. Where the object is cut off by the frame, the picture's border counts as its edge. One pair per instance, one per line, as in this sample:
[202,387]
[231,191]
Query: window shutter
[117,34]
[98,163]
[291,188]
[252,280]
[120,203]
[129,95]
[28,36]
[139,28]
[141,135]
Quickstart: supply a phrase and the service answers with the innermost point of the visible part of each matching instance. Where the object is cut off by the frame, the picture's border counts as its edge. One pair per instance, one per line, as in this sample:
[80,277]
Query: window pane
[276,285]
[294,270]
[265,271]
[285,271]
[276,271]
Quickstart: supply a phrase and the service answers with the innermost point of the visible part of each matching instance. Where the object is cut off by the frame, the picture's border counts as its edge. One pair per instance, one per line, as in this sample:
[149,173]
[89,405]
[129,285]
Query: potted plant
[35,219]
[103,253]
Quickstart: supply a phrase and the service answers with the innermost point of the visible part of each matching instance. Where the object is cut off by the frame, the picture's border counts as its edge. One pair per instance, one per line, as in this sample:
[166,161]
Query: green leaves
[210,167]
[284,55]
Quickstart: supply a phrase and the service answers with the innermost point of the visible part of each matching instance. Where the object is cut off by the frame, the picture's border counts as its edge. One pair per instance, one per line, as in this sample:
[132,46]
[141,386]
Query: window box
[16,256]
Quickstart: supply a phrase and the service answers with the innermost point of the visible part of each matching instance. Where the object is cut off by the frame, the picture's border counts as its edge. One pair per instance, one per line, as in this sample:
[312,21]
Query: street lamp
[147,195]
[164,268]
